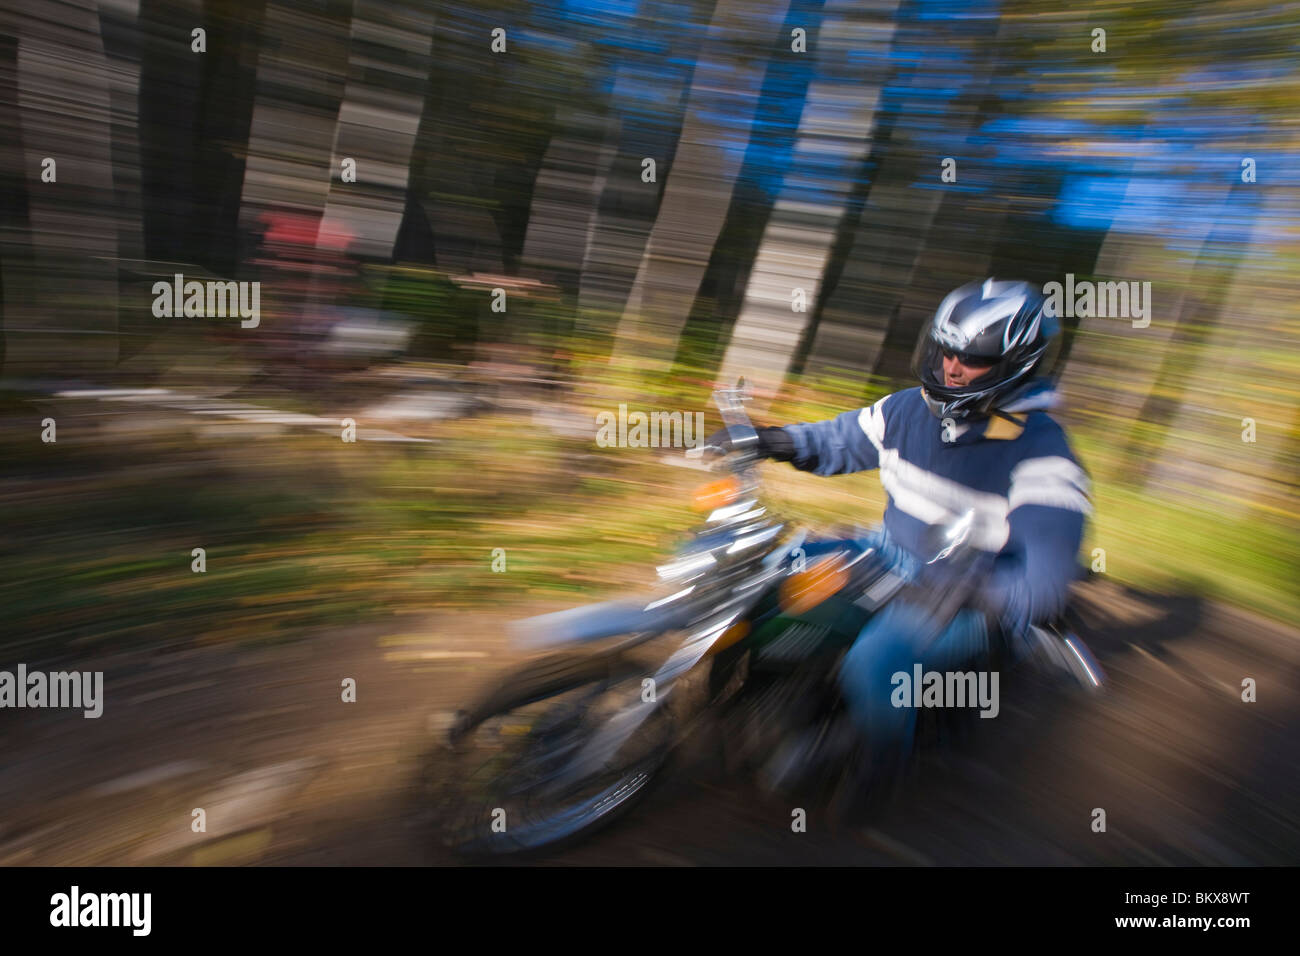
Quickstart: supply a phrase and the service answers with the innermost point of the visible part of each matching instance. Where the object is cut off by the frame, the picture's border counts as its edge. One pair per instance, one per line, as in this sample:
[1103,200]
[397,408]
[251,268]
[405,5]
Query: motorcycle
[756,620]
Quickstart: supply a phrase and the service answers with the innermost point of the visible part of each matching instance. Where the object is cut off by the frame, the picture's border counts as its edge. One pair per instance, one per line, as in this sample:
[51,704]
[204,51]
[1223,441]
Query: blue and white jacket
[1027,490]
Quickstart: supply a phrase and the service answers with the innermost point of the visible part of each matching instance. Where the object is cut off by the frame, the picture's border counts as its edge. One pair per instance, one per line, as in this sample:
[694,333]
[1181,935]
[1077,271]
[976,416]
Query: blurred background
[477,227]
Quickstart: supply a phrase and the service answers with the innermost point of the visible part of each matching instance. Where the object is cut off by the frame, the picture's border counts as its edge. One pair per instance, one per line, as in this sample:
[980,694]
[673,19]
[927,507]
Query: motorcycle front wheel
[504,789]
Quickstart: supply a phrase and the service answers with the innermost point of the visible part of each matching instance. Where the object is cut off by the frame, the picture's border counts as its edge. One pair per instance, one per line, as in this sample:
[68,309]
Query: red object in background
[299,230]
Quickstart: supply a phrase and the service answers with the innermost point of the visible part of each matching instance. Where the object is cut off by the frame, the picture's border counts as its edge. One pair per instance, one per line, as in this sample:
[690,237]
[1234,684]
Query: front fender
[595,621]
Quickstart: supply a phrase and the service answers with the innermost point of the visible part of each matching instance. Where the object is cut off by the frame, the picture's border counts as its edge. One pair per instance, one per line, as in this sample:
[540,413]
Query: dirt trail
[287,773]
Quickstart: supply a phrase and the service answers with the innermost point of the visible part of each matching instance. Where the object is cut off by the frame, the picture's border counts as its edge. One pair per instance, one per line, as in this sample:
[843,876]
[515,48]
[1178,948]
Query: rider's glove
[773,442]
[995,603]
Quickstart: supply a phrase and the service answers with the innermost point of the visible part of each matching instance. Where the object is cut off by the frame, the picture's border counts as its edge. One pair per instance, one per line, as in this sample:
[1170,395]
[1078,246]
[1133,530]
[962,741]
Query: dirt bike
[756,621]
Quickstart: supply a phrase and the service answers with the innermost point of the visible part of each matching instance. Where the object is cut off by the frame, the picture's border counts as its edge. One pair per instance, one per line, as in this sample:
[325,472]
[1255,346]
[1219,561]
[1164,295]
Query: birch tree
[719,113]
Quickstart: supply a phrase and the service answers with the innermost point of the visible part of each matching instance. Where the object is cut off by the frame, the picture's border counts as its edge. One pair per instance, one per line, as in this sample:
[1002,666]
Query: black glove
[773,442]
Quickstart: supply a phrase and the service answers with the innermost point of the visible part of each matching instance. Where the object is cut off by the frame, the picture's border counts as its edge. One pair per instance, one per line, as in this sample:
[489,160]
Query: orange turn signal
[716,494]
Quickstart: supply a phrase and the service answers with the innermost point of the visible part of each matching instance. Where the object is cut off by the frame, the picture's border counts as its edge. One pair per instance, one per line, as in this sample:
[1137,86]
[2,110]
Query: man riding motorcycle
[974,437]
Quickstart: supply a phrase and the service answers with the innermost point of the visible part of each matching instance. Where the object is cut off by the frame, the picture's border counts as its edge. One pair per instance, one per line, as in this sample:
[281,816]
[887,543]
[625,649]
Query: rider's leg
[890,644]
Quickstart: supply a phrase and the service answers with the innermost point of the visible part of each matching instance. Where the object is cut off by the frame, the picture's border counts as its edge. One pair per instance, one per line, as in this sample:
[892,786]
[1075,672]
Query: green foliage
[446,315]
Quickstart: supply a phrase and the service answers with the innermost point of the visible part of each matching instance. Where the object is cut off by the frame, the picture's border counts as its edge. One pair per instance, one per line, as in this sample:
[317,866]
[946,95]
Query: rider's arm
[840,445]
[1031,579]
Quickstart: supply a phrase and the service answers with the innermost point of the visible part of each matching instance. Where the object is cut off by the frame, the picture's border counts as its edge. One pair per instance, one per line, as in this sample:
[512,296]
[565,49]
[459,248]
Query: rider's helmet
[1003,323]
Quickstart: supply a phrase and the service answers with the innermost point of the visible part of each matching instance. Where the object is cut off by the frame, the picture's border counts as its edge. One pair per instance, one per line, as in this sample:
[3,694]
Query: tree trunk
[834,132]
[301,75]
[565,198]
[870,318]
[1245,369]
[62,312]
[389,57]
[719,114]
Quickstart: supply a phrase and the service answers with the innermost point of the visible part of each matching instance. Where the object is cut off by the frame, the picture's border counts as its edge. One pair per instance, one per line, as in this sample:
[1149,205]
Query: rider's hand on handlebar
[773,442]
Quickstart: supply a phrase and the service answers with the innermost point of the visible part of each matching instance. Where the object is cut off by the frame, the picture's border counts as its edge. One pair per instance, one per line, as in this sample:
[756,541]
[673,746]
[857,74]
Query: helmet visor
[969,370]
